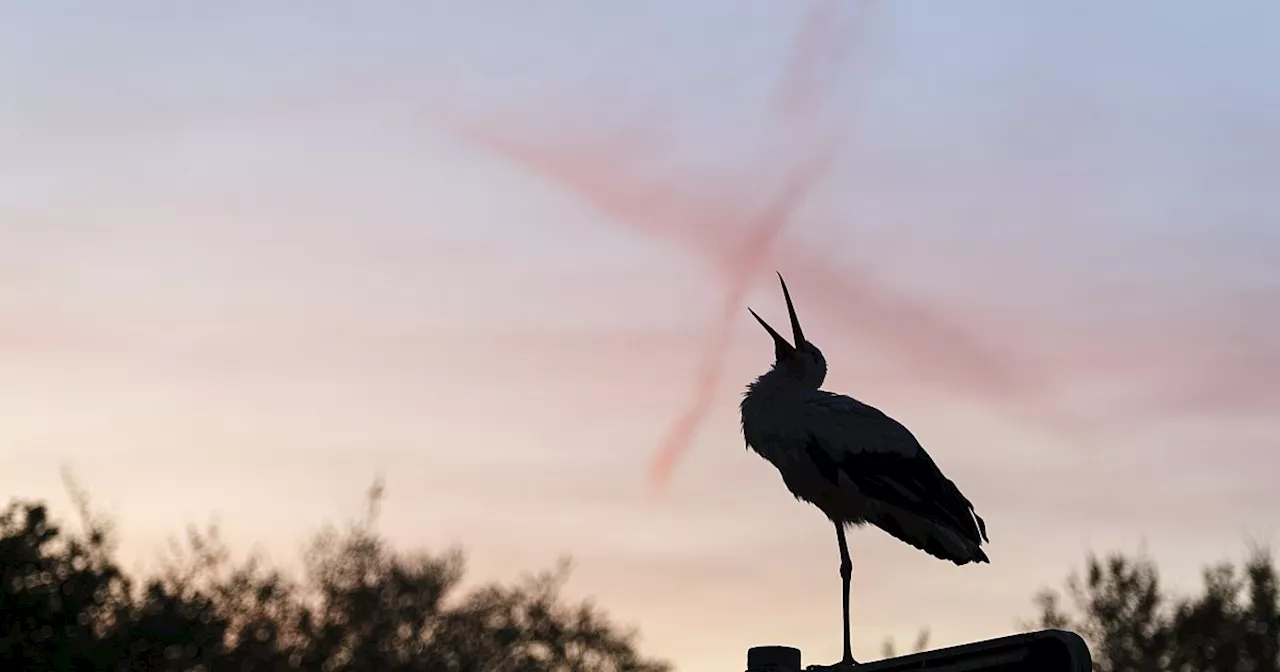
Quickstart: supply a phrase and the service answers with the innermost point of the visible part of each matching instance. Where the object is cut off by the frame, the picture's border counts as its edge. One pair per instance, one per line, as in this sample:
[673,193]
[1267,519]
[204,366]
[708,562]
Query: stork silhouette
[853,462]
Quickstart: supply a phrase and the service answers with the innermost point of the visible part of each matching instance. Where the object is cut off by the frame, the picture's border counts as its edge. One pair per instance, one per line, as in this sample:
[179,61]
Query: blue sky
[313,243]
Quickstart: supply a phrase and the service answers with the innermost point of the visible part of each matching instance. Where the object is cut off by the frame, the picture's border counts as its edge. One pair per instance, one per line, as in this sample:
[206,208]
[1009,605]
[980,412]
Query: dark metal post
[1043,651]
[773,659]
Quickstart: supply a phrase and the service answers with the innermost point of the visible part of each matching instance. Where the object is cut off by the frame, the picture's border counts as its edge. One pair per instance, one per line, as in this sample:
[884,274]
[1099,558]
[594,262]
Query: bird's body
[856,464]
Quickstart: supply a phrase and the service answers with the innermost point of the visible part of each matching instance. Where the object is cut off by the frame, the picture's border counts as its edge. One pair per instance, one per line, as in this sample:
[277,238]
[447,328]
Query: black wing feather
[911,483]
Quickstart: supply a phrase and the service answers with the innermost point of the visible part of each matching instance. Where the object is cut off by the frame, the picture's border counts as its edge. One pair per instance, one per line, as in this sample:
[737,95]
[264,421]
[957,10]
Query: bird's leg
[846,573]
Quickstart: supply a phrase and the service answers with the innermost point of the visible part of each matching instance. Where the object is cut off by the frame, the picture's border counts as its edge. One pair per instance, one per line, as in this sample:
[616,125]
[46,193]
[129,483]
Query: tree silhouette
[362,605]
[1132,625]
[62,600]
[66,605]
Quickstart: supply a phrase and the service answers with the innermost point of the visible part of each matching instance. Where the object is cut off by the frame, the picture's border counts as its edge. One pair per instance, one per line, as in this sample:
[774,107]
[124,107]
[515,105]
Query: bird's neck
[778,378]
[770,389]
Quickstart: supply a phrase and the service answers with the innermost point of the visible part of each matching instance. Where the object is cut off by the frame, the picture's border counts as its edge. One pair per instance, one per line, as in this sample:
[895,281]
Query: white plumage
[856,464]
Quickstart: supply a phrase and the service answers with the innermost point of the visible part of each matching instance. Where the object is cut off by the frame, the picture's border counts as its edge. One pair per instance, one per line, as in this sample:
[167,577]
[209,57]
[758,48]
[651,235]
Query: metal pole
[773,659]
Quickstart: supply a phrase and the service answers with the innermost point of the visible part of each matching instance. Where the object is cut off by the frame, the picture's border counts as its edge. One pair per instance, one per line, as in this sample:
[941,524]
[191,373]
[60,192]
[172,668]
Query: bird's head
[803,361]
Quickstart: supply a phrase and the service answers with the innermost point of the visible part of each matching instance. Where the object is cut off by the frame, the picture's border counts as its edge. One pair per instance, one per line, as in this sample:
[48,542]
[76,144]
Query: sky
[252,258]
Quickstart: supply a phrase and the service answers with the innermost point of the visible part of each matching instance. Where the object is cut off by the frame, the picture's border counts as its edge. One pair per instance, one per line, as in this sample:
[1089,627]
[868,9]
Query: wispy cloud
[712,221]
[729,226]
[715,220]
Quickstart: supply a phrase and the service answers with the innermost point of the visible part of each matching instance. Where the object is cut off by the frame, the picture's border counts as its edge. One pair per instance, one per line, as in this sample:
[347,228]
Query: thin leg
[846,573]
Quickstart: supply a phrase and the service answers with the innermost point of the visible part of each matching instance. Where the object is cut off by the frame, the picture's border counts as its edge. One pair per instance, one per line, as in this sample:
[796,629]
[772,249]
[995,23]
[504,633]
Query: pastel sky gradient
[252,257]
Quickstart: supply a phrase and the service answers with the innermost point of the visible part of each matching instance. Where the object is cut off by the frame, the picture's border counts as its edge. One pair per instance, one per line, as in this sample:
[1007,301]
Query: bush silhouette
[361,606]
[1133,625]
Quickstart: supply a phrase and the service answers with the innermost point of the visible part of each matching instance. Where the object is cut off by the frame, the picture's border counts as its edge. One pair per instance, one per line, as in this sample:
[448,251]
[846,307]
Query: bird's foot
[842,666]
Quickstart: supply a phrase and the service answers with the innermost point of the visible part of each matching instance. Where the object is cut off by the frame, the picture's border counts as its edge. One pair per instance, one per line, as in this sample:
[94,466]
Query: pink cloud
[710,218]
[623,175]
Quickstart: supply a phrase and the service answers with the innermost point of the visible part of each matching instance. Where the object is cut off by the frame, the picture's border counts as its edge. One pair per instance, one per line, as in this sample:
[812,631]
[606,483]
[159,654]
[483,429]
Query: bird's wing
[850,440]
[847,425]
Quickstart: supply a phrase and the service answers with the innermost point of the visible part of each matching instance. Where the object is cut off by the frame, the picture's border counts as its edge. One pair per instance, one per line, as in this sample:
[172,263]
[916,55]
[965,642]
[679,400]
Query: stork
[853,462]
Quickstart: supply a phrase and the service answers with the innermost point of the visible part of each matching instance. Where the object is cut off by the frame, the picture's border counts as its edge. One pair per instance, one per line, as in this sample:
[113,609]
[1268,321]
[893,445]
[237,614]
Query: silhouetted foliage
[361,606]
[1132,625]
[889,649]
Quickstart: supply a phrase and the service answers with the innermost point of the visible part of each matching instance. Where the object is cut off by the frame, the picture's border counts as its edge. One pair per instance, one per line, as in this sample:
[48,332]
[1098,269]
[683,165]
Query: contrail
[680,434]
[820,43]
[709,218]
[1231,367]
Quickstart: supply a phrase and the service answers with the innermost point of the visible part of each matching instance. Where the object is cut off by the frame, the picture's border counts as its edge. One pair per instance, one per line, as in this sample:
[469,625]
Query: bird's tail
[940,541]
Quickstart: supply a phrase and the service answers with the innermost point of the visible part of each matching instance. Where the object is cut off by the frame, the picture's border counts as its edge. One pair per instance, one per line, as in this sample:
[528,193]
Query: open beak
[796,334]
[784,349]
